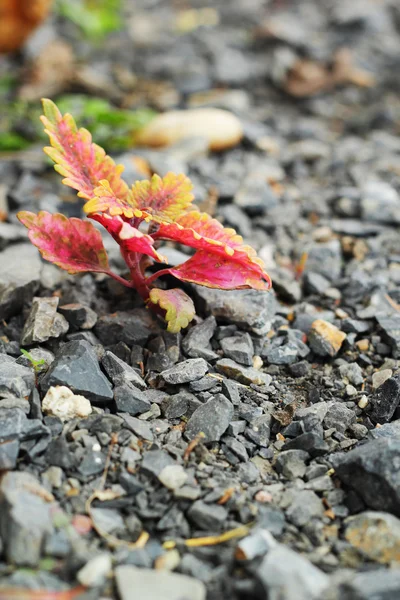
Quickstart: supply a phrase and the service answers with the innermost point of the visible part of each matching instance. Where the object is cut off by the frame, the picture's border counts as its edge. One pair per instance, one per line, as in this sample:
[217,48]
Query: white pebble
[173,476]
[61,402]
[362,403]
[94,573]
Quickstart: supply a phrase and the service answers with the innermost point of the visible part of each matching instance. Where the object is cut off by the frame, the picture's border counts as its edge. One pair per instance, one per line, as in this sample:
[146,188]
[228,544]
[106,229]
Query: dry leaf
[18,18]
[308,77]
[50,73]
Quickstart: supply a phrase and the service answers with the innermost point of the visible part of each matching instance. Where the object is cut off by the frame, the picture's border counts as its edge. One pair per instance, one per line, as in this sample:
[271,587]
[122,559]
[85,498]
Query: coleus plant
[162,205]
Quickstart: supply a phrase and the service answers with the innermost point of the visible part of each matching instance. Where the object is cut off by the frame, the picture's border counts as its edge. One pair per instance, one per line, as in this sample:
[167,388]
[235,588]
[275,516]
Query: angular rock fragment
[325,339]
[76,367]
[211,418]
[43,322]
[25,518]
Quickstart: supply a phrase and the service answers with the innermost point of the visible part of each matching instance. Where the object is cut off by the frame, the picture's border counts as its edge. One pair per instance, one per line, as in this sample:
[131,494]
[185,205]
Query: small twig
[212,540]
[192,445]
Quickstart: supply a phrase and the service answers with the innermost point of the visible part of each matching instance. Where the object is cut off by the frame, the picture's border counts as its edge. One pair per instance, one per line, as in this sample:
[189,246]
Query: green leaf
[178,306]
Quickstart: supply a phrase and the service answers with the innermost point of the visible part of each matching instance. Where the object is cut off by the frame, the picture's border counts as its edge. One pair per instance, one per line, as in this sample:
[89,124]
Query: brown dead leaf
[18,18]
[50,73]
[308,77]
[285,415]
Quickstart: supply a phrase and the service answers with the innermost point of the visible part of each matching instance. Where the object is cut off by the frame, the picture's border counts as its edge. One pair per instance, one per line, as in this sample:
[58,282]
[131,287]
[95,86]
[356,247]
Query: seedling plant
[139,218]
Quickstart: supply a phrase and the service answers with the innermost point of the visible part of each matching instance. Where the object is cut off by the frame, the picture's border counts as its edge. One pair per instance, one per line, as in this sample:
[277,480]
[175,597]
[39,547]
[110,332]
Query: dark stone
[196,343]
[76,366]
[391,330]
[384,401]
[139,428]
[310,442]
[15,379]
[300,369]
[176,406]
[130,399]
[339,417]
[239,348]
[132,327]
[210,517]
[93,463]
[8,455]
[25,518]
[154,461]
[211,418]
[79,316]
[21,268]
[371,471]
[120,372]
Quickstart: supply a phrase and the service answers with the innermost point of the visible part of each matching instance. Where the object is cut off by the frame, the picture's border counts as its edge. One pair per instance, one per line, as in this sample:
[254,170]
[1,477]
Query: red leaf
[211,270]
[178,306]
[72,244]
[200,231]
[81,162]
[129,238]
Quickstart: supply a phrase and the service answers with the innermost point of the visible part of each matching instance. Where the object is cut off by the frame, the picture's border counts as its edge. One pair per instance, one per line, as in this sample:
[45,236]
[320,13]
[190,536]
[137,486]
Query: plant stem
[151,278]
[139,281]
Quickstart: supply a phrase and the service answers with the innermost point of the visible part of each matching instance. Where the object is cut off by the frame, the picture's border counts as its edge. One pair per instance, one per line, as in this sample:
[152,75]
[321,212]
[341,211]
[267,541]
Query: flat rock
[76,367]
[286,574]
[165,586]
[130,399]
[249,309]
[369,471]
[208,517]
[15,379]
[211,418]
[379,584]
[245,375]
[25,518]
[188,370]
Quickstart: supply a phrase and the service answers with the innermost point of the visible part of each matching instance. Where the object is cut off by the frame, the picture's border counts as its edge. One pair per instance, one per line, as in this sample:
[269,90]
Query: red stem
[139,281]
[151,278]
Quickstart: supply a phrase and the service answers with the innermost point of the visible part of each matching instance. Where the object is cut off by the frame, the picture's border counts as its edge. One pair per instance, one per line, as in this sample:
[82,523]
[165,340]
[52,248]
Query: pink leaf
[200,231]
[128,237]
[77,158]
[215,271]
[72,244]
[178,306]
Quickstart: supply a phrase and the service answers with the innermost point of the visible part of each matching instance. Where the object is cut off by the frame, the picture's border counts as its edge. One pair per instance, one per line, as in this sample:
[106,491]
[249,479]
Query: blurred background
[304,84]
